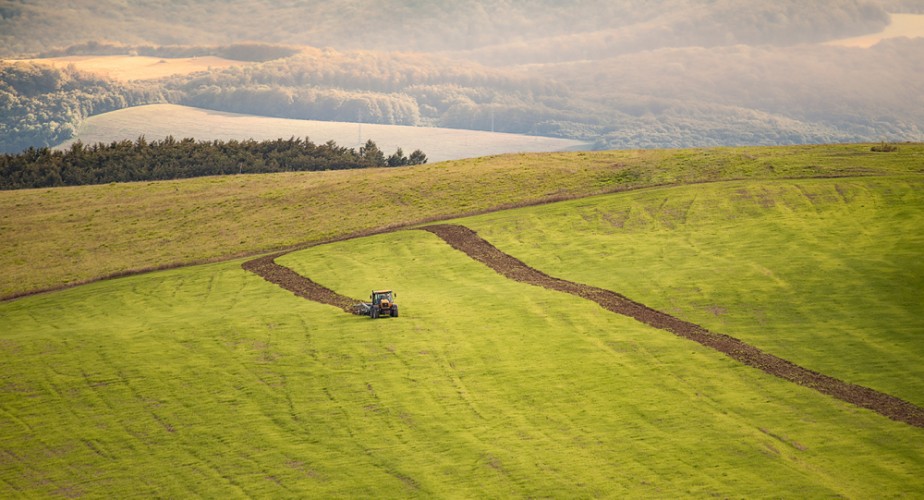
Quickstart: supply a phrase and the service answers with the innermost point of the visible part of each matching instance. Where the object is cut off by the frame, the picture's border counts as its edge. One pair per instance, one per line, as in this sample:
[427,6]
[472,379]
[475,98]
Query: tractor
[383,304]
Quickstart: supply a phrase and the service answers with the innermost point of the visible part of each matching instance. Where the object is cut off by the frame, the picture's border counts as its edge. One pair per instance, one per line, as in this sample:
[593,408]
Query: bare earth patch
[268,269]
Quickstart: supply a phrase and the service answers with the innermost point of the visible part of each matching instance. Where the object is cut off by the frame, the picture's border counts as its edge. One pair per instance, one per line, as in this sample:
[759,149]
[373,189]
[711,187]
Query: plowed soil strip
[467,241]
[268,269]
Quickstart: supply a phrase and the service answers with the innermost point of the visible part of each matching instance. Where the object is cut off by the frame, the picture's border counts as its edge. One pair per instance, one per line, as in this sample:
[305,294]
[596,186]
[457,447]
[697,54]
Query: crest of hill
[157,121]
[84,233]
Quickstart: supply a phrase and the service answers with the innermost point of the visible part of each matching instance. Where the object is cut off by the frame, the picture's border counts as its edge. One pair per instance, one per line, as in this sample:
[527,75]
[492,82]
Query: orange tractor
[383,304]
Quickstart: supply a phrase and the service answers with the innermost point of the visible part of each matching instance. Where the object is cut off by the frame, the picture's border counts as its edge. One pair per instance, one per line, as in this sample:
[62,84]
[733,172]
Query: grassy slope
[53,237]
[207,381]
[157,121]
[526,339]
[824,273]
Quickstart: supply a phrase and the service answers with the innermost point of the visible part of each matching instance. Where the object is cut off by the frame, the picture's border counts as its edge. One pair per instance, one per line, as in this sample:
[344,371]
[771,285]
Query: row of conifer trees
[170,158]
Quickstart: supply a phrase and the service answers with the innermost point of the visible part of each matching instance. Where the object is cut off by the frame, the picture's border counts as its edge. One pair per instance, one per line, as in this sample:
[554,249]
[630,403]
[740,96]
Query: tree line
[374,87]
[143,160]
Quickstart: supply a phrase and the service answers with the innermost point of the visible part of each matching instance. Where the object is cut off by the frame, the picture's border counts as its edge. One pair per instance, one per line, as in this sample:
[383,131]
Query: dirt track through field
[467,241]
[268,269]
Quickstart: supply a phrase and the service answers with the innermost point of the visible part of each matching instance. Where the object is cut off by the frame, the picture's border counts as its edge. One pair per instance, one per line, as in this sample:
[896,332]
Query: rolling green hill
[209,381]
[824,273]
[61,237]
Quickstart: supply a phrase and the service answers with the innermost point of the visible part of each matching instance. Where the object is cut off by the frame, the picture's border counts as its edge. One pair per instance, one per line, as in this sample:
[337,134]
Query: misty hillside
[623,73]
[491,30]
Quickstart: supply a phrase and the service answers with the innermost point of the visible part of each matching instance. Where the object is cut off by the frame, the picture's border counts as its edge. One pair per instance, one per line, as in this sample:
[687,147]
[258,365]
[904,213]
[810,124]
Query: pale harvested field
[907,25]
[157,121]
[127,68]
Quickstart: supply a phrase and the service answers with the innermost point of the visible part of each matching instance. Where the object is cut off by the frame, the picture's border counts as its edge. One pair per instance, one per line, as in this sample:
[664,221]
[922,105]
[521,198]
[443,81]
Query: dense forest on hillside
[755,95]
[355,86]
[377,87]
[41,106]
[686,24]
[141,160]
[620,74]
[671,97]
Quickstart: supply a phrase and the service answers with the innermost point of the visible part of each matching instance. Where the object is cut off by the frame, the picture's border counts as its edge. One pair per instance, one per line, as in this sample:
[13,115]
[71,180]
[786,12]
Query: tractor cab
[382,295]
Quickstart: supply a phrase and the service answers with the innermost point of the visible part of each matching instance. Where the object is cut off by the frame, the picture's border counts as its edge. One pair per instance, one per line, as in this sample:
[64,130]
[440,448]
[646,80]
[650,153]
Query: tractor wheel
[394,311]
[375,312]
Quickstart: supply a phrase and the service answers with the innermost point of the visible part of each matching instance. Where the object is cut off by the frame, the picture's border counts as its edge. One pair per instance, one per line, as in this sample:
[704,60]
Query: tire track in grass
[467,241]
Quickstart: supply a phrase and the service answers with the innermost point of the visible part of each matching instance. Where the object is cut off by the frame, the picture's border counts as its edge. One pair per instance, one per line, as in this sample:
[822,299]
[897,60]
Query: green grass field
[59,237]
[207,381]
[825,273]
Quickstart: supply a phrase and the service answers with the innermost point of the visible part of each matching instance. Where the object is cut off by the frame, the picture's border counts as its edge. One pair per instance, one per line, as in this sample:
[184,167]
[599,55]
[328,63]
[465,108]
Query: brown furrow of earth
[268,269]
[467,241]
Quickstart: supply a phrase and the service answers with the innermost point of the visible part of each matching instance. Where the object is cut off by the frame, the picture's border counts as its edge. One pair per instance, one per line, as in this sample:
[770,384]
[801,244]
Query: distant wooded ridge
[41,106]
[617,74]
[492,31]
[678,98]
[141,160]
